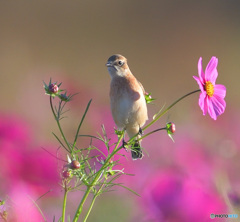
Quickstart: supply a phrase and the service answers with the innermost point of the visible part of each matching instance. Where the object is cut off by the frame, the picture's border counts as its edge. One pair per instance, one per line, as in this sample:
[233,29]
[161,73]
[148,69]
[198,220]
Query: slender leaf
[40,211]
[127,188]
[94,137]
[80,124]
[60,142]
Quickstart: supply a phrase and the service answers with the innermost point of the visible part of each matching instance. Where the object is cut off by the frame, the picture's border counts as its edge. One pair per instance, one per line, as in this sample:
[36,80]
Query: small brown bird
[127,97]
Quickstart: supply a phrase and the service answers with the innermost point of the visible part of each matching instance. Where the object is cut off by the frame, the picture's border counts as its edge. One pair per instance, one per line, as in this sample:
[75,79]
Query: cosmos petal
[219,105]
[200,84]
[203,102]
[211,110]
[200,70]
[220,90]
[211,72]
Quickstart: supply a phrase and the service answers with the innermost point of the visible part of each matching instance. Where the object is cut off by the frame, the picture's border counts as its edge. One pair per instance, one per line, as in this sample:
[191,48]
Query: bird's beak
[108,64]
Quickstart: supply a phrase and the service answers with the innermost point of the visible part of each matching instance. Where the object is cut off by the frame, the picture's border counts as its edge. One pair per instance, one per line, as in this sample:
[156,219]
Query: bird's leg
[123,142]
[140,132]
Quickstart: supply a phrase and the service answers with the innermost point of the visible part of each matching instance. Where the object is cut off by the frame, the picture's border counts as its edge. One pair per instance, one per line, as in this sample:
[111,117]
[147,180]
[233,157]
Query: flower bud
[64,97]
[75,164]
[53,88]
[66,174]
[148,94]
[171,128]
[148,97]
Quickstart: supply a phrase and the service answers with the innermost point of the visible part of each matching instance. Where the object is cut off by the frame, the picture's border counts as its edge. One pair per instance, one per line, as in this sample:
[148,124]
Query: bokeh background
[70,42]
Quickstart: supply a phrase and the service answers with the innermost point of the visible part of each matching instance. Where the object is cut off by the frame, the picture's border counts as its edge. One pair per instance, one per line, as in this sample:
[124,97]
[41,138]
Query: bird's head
[117,65]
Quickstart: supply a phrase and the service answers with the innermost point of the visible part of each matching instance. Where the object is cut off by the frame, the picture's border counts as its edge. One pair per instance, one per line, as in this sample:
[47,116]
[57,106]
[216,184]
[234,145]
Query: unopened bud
[148,94]
[75,164]
[64,97]
[171,128]
[66,174]
[53,88]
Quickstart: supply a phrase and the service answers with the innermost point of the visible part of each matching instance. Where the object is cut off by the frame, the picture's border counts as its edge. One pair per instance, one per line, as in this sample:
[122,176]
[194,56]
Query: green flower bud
[171,128]
[64,97]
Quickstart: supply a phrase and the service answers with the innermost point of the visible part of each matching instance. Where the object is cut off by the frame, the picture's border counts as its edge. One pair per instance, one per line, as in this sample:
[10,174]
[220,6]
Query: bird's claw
[124,144]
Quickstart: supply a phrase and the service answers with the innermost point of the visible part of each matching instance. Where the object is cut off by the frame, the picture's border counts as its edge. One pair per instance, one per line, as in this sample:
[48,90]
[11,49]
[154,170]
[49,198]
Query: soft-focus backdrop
[70,42]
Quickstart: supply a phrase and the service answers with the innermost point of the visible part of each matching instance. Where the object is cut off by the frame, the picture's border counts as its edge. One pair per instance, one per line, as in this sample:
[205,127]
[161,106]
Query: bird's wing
[142,87]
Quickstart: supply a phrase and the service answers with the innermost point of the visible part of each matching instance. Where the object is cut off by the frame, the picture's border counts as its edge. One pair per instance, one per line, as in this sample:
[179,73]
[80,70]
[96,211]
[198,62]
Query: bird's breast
[127,102]
[125,87]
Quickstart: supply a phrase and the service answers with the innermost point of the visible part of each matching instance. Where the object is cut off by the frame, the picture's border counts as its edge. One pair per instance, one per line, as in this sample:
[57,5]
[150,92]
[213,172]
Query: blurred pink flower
[212,96]
[171,196]
[22,205]
[22,161]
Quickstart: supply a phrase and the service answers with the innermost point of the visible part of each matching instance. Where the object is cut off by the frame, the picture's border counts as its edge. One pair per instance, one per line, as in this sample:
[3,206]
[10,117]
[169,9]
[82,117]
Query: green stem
[64,202]
[154,131]
[168,108]
[96,178]
[159,115]
[79,210]
[92,203]
[90,208]
[79,126]
[59,126]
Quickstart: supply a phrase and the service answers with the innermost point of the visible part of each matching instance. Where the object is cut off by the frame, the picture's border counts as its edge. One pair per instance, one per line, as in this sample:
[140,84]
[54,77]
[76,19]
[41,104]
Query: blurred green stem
[64,201]
[92,203]
[94,182]
[59,126]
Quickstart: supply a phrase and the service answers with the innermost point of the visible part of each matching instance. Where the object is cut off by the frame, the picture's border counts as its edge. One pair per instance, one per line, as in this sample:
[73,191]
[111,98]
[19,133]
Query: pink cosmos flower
[170,196]
[211,99]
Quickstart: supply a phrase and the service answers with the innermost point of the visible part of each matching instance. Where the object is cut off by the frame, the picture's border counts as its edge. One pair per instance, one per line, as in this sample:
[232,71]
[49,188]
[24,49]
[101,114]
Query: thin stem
[92,203]
[96,178]
[80,207]
[154,131]
[79,126]
[161,114]
[90,208]
[168,108]
[59,126]
[64,202]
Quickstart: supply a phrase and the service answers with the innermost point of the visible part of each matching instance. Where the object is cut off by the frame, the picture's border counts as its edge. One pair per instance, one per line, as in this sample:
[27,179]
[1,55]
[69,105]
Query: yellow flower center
[209,88]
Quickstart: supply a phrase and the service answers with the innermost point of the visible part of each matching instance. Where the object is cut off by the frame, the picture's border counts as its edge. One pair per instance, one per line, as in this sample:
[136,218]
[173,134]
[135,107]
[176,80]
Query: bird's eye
[120,62]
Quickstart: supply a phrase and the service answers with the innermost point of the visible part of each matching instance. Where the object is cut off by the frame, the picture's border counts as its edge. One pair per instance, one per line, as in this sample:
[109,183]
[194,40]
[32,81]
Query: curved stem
[79,126]
[154,131]
[160,114]
[59,126]
[168,108]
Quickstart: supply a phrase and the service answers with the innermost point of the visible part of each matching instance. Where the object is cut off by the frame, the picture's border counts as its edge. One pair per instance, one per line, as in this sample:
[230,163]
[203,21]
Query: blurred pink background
[70,42]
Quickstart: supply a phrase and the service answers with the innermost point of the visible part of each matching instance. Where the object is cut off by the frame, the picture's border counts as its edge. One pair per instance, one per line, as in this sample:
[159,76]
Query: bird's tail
[136,151]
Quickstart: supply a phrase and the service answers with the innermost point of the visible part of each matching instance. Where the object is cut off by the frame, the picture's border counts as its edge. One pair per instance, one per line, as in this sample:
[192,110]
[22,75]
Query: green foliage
[88,176]
[96,173]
